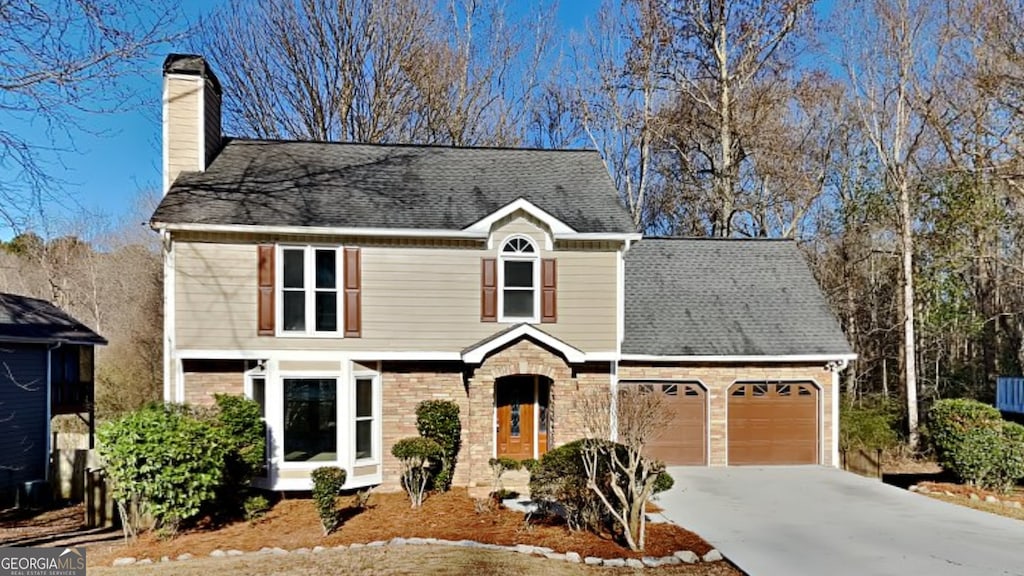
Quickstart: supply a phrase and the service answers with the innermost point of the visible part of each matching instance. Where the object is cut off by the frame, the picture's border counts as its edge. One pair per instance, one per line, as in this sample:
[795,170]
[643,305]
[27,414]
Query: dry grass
[397,560]
[990,507]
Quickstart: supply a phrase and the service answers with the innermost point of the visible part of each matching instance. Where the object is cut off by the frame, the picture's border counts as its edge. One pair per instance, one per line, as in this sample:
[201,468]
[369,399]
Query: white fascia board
[320,231]
[793,358]
[611,236]
[476,355]
[483,226]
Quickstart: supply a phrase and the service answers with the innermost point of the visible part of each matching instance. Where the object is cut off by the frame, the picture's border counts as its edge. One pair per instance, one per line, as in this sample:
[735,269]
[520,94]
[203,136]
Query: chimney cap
[192,65]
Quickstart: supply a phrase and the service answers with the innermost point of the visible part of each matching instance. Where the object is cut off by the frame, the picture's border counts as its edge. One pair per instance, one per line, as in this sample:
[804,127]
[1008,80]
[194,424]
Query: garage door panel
[773,423]
[682,440]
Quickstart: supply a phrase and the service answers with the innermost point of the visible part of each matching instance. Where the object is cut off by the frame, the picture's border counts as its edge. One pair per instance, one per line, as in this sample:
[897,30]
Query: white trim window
[309,301]
[366,419]
[310,427]
[519,281]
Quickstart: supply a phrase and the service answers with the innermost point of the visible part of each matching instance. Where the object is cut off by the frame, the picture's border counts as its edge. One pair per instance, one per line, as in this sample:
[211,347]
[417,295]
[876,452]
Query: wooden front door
[516,396]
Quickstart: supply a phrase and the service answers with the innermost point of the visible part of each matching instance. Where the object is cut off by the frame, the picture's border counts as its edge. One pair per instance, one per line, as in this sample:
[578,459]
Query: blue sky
[120,155]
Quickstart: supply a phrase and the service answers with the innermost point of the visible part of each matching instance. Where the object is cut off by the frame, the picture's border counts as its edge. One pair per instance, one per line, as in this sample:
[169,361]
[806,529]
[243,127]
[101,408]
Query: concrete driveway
[809,520]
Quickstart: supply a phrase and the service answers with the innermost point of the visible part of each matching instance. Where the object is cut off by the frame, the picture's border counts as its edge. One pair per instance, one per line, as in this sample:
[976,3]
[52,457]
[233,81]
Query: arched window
[518,280]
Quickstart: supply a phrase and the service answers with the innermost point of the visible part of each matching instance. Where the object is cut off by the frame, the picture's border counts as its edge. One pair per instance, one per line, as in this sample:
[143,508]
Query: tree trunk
[909,348]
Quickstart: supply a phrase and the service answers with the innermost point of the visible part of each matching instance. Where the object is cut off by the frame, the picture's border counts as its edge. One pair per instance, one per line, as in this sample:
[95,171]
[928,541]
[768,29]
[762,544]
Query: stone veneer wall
[717,379]
[404,386]
[204,378]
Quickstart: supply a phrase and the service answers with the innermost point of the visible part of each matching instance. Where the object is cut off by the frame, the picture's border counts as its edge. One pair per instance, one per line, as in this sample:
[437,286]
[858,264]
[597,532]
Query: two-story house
[341,284]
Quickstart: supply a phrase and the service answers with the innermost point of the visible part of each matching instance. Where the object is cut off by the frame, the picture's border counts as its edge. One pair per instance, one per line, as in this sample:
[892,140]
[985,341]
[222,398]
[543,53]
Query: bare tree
[729,58]
[458,73]
[61,60]
[622,470]
[893,62]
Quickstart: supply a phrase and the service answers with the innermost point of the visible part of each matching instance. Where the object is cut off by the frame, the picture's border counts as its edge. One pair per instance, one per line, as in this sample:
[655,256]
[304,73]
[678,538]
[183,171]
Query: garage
[683,440]
[773,423]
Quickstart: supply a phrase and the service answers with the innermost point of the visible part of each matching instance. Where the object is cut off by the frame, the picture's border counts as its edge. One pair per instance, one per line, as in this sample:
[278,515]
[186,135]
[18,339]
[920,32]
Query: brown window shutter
[548,290]
[488,290]
[265,301]
[353,304]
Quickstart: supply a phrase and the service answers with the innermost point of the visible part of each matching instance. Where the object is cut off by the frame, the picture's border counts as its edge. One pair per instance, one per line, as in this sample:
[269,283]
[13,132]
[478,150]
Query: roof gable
[736,298]
[315,184]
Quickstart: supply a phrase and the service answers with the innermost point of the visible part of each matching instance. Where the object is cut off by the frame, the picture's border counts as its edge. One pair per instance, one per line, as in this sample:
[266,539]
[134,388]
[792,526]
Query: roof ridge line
[229,139]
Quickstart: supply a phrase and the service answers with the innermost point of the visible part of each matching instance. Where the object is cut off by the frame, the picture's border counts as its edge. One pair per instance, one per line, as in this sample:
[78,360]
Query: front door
[516,397]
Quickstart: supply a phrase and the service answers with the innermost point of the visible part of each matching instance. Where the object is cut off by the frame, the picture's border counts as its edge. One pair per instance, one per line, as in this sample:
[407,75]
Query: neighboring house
[340,285]
[46,369]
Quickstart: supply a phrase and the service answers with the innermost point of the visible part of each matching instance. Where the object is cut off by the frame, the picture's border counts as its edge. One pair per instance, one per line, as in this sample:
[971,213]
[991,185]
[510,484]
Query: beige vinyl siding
[182,125]
[414,299]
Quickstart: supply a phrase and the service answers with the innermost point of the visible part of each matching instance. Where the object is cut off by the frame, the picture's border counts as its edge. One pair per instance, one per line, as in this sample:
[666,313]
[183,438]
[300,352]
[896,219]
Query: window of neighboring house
[518,280]
[309,294]
[365,410]
[310,419]
[258,394]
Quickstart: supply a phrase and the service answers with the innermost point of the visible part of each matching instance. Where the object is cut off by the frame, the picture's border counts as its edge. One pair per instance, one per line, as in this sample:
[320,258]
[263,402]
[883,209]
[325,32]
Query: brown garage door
[773,423]
[682,440]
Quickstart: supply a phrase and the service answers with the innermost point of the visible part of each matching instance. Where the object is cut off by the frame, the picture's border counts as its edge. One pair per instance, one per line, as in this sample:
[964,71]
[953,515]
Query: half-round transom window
[518,280]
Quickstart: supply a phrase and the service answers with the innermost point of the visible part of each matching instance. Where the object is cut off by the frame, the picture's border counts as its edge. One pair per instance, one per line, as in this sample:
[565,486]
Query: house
[340,285]
[46,369]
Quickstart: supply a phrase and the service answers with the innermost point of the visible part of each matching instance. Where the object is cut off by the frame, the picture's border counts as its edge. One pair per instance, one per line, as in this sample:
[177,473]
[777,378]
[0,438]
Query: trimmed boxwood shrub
[973,442]
[327,484]
[560,478]
[238,422]
[439,421]
[417,456]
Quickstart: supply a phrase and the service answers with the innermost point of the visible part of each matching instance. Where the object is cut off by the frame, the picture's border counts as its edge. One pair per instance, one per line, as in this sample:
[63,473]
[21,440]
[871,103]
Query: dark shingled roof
[24,318]
[258,182]
[706,297]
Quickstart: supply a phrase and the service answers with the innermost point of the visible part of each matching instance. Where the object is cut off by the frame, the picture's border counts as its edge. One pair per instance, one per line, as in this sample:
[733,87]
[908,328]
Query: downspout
[49,407]
[836,367]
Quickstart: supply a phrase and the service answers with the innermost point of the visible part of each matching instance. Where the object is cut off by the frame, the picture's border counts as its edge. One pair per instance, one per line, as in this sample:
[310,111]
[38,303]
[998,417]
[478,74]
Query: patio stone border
[679,557]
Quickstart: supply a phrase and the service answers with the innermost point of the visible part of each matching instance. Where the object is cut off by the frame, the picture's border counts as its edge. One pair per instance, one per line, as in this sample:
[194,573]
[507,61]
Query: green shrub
[868,426]
[165,459]
[973,442]
[417,456]
[1011,463]
[237,420]
[560,477]
[439,421]
[327,484]
[255,506]
[529,464]
[664,482]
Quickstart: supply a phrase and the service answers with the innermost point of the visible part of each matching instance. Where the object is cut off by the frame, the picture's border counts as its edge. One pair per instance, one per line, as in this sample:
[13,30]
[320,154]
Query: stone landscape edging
[679,557]
[923,489]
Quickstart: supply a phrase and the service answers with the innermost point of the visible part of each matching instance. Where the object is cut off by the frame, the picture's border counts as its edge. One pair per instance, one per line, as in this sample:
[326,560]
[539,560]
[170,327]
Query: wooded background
[883,135]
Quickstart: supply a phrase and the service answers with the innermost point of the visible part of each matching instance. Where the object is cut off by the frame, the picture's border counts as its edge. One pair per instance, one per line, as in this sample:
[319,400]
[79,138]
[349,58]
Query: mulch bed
[294,524]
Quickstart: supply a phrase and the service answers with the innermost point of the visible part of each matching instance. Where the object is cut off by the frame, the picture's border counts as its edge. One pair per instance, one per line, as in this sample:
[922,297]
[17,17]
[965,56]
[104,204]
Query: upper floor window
[309,293]
[518,280]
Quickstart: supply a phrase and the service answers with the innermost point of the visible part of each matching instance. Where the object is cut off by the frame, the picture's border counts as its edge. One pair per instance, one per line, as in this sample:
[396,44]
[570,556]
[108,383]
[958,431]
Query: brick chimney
[191,116]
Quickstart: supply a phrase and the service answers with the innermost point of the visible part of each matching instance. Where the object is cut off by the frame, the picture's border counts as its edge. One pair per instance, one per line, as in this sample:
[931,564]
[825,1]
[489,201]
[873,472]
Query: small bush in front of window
[417,456]
[255,506]
[241,429]
[327,484]
[439,421]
